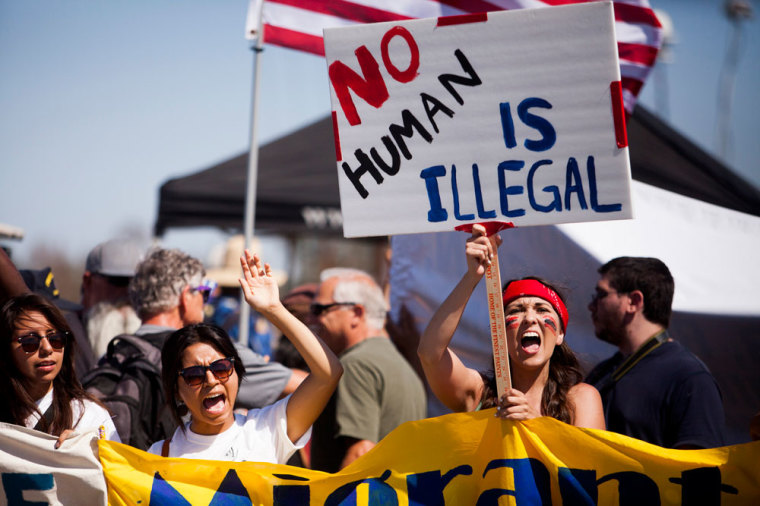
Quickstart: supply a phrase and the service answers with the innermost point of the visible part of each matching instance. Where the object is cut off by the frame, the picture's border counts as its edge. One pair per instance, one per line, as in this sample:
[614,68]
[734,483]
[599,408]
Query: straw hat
[227,275]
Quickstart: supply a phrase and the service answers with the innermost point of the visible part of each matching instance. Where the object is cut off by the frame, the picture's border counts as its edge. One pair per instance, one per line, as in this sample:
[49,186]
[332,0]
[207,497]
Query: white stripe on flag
[412,8]
[638,33]
[634,70]
[519,4]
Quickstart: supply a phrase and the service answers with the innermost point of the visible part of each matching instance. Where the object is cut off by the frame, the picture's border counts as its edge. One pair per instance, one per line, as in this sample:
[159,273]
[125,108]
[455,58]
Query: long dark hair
[17,404]
[171,359]
[564,373]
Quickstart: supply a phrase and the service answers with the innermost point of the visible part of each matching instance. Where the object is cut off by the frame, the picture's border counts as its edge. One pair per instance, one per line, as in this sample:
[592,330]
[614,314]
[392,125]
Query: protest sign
[467,458]
[507,116]
[32,472]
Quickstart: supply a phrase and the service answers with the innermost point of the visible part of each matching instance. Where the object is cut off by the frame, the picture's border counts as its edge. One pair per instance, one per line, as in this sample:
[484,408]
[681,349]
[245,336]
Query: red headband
[533,288]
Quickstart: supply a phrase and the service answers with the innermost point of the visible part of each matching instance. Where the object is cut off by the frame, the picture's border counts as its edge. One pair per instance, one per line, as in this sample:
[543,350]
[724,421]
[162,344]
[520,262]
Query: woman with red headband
[546,376]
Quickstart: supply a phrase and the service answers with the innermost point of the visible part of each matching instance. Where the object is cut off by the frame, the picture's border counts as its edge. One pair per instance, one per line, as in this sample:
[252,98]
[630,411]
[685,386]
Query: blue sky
[103,101]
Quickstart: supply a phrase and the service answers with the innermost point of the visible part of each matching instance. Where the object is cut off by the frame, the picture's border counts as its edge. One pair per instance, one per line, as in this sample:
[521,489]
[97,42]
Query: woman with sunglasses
[546,376]
[37,380]
[202,372]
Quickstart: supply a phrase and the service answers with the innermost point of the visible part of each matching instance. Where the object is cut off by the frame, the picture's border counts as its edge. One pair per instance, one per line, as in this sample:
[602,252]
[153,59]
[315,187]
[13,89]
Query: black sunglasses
[196,374]
[317,308]
[31,342]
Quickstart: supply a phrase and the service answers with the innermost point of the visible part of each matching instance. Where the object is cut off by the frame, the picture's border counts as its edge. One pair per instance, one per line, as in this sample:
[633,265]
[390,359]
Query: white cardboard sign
[509,116]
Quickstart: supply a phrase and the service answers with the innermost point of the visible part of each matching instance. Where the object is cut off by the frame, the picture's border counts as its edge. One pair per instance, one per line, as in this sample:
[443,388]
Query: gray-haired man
[168,292]
[379,390]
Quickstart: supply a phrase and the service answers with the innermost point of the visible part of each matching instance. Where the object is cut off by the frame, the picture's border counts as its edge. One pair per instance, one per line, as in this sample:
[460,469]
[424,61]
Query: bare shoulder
[583,392]
[588,406]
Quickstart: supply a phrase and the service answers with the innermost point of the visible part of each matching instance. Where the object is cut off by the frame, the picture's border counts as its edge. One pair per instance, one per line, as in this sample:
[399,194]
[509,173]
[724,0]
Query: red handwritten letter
[370,86]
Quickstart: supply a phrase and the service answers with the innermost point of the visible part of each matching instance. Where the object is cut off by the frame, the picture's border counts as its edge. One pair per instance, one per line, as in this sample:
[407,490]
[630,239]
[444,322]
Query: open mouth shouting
[215,403]
[530,342]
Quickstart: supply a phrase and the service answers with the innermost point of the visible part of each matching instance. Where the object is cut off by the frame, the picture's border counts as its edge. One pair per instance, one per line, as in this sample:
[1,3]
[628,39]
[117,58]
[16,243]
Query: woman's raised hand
[259,287]
[479,250]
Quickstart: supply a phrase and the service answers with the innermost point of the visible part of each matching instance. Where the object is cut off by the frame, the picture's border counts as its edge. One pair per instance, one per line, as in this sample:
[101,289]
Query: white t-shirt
[93,418]
[261,436]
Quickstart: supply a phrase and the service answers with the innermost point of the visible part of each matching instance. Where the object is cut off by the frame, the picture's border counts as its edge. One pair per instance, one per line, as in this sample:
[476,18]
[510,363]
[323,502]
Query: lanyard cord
[653,343]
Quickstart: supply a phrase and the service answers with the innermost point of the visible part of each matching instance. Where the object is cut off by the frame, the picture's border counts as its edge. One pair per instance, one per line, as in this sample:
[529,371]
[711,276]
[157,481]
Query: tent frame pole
[253,168]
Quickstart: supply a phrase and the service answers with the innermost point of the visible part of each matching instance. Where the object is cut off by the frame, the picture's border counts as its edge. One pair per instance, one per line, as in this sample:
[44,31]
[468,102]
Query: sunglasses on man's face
[31,342]
[196,374]
[205,291]
[317,308]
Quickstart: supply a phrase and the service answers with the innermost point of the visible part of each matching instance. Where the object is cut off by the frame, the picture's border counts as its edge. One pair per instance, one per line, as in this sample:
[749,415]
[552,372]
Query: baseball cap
[42,282]
[116,257]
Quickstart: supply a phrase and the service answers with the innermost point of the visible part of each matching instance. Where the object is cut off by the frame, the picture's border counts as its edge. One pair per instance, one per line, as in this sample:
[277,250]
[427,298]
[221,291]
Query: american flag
[298,24]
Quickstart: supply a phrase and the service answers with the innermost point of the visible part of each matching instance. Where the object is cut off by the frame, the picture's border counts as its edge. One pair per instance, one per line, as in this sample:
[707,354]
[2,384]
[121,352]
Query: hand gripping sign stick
[496,309]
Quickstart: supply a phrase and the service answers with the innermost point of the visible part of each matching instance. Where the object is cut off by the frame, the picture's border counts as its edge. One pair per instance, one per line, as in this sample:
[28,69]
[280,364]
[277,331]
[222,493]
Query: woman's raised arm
[311,396]
[456,385]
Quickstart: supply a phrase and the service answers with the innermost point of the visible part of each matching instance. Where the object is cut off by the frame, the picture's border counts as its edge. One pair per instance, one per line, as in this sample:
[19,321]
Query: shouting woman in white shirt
[201,374]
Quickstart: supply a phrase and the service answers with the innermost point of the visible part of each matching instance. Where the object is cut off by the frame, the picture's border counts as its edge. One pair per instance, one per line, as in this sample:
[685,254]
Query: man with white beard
[106,311]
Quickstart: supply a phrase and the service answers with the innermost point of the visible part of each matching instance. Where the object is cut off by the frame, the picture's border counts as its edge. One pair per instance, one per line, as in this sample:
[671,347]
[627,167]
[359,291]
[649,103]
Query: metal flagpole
[253,168]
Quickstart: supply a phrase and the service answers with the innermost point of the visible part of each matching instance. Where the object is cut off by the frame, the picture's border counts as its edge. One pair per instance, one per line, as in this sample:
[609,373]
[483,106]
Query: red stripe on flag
[336,136]
[345,10]
[637,53]
[628,13]
[294,40]
[618,114]
[472,6]
[636,14]
[632,85]
[463,19]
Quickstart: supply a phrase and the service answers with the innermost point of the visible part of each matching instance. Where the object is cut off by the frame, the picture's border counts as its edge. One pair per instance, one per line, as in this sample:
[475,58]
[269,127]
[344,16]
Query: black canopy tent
[298,183]
[297,189]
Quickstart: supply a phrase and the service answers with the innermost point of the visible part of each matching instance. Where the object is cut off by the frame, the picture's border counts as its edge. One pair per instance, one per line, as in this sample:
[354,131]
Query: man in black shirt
[653,389]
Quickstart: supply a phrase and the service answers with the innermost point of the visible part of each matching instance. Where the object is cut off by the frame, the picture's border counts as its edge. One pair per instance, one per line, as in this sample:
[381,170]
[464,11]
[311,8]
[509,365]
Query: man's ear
[86,282]
[358,311]
[636,300]
[184,299]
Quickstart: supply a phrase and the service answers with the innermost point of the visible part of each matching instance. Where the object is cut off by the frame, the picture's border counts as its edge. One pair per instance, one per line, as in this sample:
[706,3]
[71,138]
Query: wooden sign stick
[498,329]
[496,309]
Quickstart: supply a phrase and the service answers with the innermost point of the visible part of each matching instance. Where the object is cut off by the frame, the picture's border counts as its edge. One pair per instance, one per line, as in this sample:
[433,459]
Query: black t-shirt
[669,398]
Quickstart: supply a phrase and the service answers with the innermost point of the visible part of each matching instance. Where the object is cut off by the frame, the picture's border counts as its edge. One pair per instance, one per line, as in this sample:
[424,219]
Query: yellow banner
[459,459]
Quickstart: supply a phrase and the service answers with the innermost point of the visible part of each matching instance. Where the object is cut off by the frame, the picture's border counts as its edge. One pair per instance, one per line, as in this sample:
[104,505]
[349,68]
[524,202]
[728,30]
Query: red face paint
[549,322]
[531,287]
[512,321]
